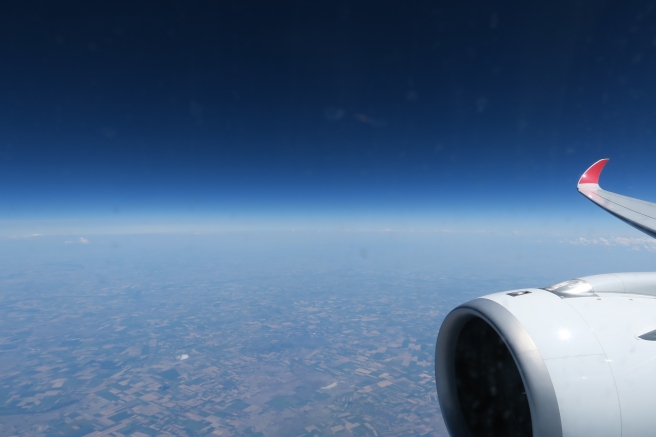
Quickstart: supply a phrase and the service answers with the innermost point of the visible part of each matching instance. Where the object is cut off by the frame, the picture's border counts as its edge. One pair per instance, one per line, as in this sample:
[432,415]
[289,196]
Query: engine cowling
[574,359]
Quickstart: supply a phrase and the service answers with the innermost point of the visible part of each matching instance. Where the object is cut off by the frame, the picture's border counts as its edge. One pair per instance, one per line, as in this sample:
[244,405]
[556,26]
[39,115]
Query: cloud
[26,236]
[83,240]
[645,243]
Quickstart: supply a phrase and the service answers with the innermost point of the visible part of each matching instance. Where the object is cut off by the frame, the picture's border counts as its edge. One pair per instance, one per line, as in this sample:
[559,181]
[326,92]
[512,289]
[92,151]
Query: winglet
[635,212]
[591,175]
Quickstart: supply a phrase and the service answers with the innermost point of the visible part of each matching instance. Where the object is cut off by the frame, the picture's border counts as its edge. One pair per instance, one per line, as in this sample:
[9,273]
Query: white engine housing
[573,360]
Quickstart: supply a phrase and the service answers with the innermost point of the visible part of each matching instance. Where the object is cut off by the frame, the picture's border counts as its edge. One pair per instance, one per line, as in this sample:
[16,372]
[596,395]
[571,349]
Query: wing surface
[637,213]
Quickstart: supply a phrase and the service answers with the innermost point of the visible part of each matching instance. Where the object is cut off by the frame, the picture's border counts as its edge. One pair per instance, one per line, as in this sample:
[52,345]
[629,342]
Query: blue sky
[357,115]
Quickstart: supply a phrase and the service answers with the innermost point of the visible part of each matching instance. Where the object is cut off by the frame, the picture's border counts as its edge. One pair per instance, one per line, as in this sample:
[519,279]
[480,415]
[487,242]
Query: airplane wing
[637,213]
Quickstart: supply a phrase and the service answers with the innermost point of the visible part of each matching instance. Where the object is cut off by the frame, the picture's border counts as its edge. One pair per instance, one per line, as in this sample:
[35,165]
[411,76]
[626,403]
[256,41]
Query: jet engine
[574,359]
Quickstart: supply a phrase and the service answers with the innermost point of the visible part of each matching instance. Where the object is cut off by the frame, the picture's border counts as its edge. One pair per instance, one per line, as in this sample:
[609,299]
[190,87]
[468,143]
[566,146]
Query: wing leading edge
[637,213]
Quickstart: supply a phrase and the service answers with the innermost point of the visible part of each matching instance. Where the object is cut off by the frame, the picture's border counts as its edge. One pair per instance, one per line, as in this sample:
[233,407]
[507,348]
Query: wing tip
[591,175]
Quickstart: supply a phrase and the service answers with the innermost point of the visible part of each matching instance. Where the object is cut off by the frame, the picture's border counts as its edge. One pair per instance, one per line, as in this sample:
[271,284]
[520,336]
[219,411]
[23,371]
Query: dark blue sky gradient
[323,109]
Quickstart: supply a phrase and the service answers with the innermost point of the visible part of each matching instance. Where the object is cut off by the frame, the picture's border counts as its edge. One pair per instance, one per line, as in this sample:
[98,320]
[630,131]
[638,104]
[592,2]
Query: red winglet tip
[591,175]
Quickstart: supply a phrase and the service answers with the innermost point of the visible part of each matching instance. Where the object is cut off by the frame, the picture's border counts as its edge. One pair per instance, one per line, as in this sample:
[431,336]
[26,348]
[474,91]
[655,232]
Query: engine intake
[491,379]
[490,389]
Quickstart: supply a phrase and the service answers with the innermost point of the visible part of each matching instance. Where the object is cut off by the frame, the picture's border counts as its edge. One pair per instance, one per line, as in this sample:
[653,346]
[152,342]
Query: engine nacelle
[574,359]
